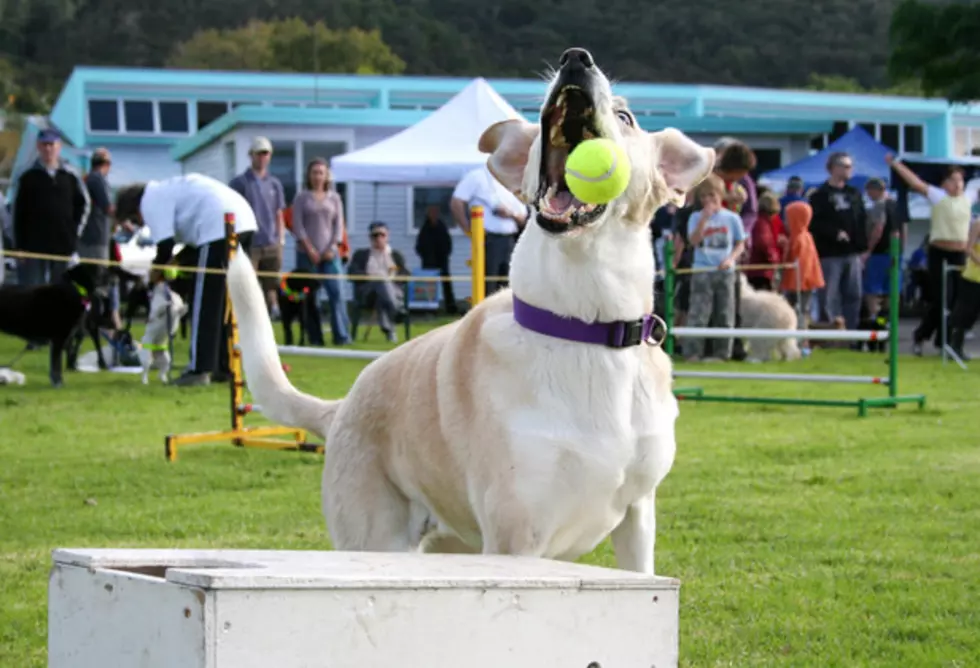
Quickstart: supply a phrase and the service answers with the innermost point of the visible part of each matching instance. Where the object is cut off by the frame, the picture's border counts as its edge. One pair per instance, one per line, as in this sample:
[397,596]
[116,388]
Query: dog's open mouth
[568,119]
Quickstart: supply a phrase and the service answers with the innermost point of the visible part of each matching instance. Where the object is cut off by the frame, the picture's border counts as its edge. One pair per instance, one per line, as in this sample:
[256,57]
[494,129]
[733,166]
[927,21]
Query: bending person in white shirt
[190,210]
[503,217]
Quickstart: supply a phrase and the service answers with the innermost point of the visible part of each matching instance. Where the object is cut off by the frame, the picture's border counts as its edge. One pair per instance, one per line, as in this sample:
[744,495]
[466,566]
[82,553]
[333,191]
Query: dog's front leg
[57,352]
[93,331]
[634,538]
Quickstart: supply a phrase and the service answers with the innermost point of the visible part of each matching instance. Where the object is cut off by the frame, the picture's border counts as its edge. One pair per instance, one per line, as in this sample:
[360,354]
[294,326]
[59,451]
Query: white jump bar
[812,334]
[797,377]
[303,351]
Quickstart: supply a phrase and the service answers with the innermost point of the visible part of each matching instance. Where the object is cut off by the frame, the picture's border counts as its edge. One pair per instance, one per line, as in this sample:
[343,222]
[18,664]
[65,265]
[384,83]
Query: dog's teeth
[556,138]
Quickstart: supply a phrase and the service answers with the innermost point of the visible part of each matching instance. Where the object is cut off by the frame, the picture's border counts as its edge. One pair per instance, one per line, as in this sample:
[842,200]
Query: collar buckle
[626,334]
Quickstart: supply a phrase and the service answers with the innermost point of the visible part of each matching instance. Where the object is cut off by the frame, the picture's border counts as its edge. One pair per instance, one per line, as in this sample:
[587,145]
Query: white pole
[302,351]
[796,377]
[812,334]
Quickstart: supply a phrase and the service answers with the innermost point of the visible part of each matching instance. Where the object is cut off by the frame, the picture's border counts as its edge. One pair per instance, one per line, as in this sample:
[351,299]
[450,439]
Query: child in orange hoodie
[803,251]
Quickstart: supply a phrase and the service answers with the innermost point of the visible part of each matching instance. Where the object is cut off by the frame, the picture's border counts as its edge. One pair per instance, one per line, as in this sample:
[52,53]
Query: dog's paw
[57,382]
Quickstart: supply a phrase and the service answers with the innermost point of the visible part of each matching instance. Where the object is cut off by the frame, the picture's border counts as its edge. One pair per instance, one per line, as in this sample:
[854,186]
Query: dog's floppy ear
[681,161]
[508,143]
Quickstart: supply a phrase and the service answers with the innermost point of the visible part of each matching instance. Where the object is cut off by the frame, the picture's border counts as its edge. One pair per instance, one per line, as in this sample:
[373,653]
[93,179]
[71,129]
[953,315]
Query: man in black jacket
[50,211]
[839,230]
[434,245]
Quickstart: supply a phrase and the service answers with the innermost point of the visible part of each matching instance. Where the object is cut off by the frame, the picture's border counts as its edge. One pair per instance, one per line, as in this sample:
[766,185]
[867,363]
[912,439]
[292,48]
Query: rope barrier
[26,255]
[737,267]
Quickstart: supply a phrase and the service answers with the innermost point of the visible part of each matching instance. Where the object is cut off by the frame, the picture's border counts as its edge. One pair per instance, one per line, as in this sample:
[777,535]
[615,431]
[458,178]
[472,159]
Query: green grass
[802,536]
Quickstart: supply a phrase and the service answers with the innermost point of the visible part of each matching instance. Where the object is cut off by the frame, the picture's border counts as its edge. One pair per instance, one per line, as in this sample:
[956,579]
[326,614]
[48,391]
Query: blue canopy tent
[868,156]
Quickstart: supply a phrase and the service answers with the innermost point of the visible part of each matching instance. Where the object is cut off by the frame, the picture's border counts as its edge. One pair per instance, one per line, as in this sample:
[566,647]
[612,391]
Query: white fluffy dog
[761,309]
[154,347]
[541,422]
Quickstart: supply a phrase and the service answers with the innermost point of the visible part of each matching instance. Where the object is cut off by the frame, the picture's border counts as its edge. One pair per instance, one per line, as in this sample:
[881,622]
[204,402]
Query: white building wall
[140,163]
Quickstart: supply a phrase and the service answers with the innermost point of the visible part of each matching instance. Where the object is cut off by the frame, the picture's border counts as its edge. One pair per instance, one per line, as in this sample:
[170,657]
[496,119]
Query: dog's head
[85,278]
[529,159]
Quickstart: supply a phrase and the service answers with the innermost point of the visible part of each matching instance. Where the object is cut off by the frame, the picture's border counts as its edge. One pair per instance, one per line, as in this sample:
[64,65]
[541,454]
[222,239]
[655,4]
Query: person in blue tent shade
[839,229]
[794,192]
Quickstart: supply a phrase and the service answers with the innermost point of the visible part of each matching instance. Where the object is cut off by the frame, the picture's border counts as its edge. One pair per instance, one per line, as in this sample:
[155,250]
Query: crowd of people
[825,245]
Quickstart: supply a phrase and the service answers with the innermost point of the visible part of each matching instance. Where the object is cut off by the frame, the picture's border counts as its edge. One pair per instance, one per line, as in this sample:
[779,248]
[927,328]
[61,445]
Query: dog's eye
[625,118]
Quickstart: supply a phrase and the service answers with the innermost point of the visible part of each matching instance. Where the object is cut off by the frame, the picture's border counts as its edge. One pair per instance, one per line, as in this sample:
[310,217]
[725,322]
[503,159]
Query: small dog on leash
[166,308]
[761,309]
[52,314]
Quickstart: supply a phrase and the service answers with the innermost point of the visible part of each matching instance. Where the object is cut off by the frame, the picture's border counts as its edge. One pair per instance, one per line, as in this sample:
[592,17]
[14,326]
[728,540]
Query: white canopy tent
[438,150]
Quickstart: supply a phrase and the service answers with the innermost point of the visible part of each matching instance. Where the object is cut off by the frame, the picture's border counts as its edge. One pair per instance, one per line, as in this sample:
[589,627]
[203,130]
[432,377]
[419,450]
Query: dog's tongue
[561,201]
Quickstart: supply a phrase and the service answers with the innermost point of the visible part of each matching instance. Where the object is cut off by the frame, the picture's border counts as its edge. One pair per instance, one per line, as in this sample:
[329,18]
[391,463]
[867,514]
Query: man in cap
[51,208]
[264,193]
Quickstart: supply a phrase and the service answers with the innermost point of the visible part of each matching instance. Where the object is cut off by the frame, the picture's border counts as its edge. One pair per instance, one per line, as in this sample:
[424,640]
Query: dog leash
[170,336]
[10,365]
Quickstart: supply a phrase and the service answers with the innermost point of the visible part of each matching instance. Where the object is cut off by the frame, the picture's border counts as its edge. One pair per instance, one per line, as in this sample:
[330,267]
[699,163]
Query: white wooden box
[271,609]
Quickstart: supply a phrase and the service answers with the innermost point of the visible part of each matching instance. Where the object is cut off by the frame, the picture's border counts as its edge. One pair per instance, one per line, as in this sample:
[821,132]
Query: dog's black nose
[576,58]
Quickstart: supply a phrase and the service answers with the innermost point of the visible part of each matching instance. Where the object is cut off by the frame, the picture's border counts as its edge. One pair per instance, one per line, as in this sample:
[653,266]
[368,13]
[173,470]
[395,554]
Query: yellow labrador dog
[543,421]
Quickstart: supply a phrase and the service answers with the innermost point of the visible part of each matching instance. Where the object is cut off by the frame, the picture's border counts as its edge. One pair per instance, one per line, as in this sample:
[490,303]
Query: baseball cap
[48,136]
[261,145]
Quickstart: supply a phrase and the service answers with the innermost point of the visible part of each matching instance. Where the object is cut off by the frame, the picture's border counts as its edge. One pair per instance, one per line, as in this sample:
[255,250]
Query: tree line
[862,45]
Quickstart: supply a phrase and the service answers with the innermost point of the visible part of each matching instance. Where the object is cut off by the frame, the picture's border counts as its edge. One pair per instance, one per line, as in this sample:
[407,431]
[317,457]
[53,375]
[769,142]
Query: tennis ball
[597,171]
[171,273]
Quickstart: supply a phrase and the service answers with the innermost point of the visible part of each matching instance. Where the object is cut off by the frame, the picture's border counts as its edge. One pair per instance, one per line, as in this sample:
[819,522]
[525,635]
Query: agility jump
[268,437]
[892,400]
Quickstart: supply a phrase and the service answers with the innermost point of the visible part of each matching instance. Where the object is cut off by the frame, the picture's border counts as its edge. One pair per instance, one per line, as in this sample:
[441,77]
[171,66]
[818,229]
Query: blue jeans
[841,295]
[339,325]
[40,272]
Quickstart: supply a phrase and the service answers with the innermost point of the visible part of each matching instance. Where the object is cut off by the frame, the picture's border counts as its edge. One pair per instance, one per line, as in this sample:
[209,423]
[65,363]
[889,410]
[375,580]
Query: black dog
[297,302]
[877,323]
[51,313]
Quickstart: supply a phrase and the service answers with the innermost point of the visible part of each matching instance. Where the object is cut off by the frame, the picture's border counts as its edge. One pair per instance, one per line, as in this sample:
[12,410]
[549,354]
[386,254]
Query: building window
[173,117]
[870,128]
[818,143]
[423,198]
[138,115]
[839,130]
[912,139]
[103,116]
[767,160]
[890,136]
[961,142]
[209,112]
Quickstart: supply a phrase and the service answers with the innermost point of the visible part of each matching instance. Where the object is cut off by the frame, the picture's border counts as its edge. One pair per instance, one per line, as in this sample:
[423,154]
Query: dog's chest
[606,414]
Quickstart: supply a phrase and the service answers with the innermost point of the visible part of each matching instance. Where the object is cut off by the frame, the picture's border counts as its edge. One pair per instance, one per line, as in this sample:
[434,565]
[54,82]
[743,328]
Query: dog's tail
[264,375]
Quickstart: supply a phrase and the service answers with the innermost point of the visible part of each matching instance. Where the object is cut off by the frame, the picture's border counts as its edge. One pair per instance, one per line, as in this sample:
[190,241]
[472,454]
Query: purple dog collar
[649,329]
